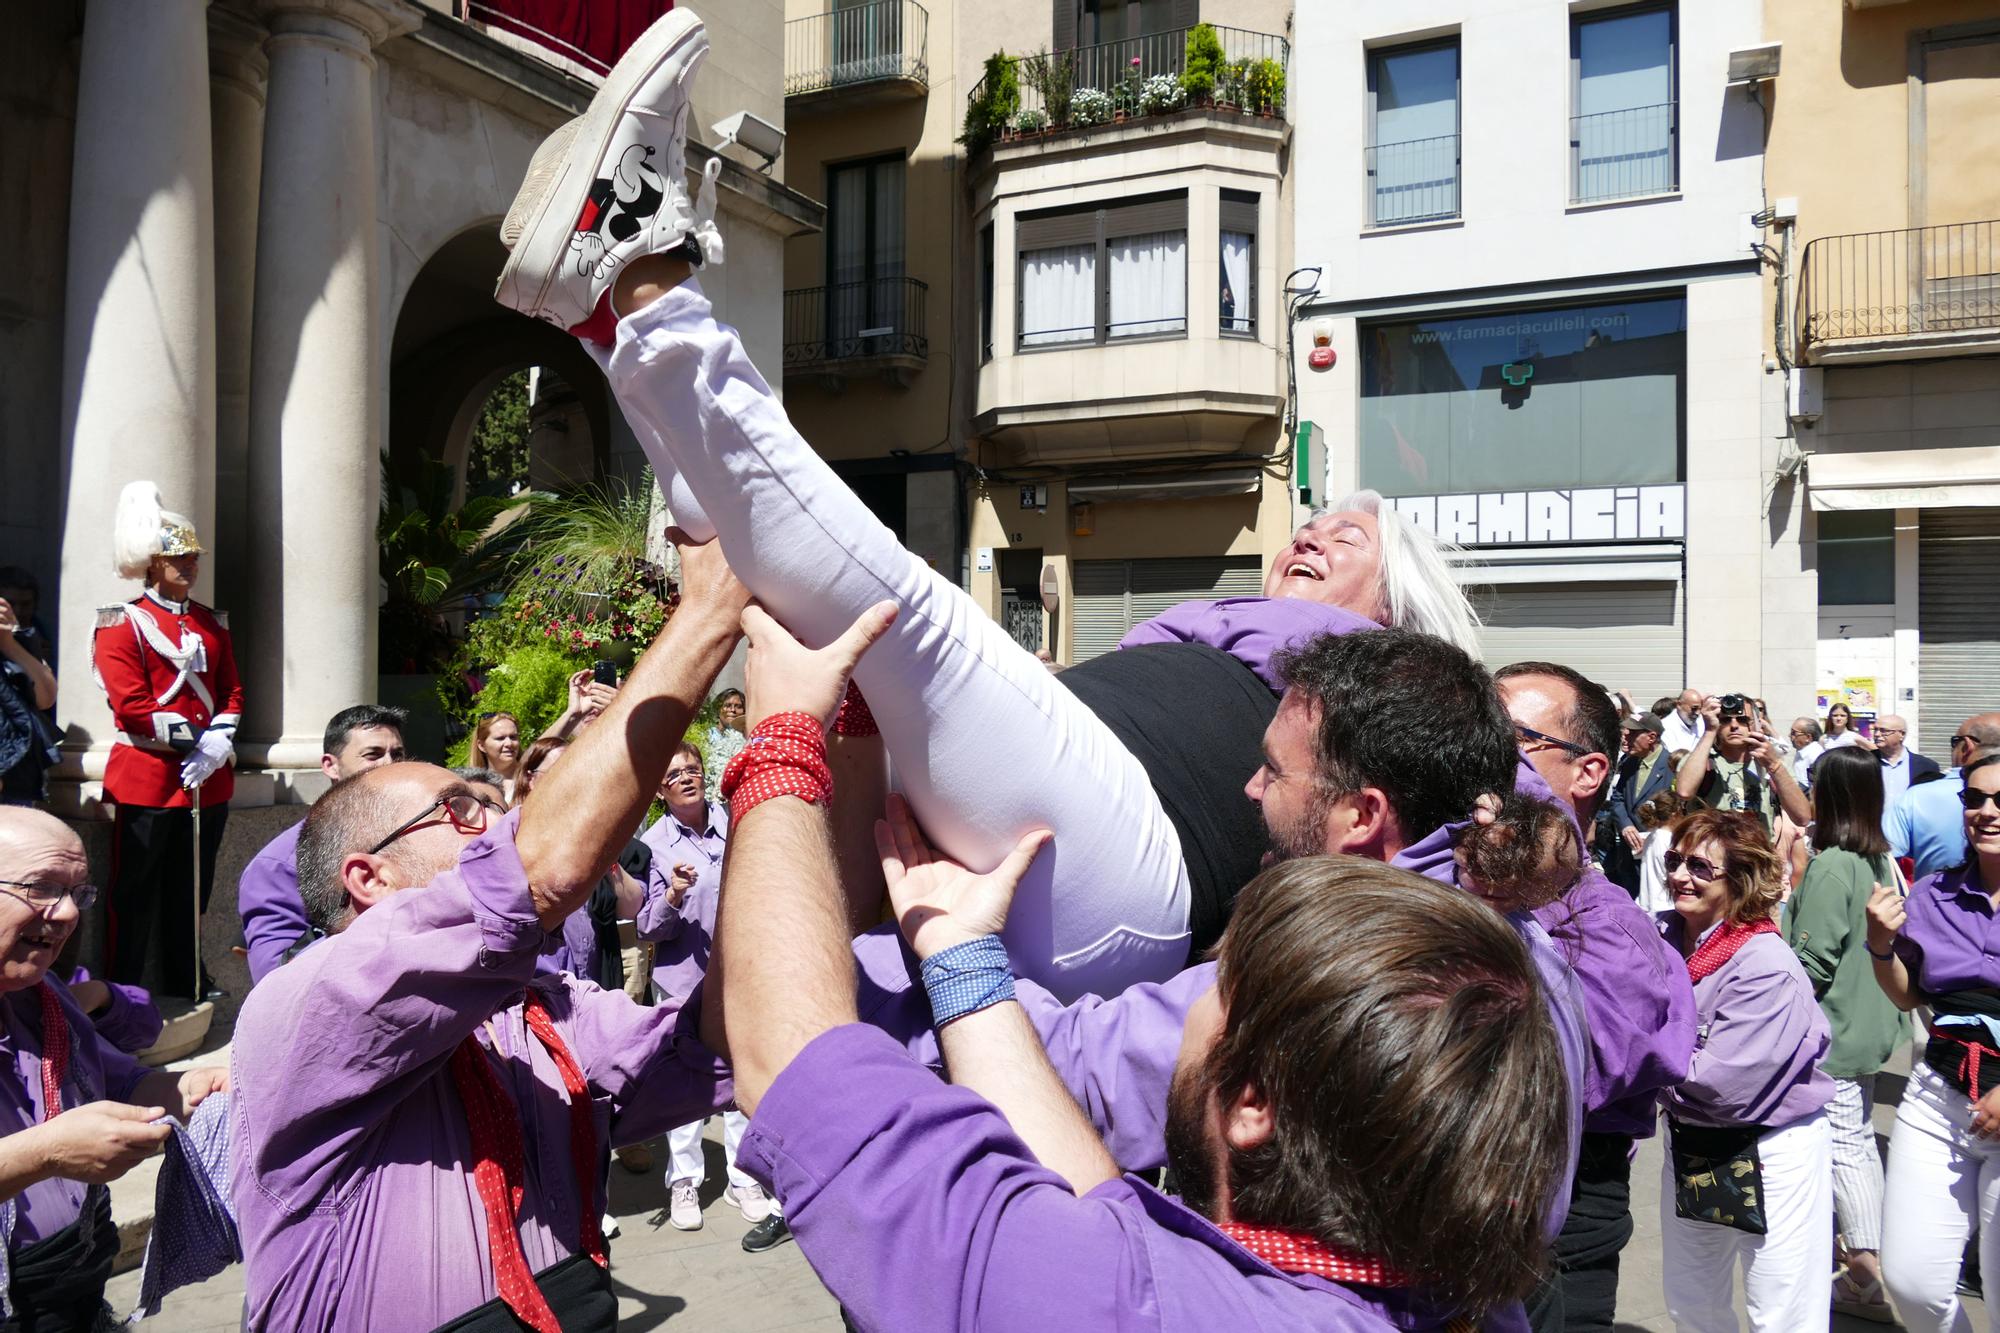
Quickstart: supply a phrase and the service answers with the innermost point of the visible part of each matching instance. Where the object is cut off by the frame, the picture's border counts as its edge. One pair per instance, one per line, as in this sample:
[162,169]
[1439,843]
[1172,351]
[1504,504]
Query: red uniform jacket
[170,673]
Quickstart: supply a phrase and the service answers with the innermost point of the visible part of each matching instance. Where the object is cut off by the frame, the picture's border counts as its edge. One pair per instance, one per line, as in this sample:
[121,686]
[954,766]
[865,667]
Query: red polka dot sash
[55,1051]
[1721,946]
[500,1168]
[785,756]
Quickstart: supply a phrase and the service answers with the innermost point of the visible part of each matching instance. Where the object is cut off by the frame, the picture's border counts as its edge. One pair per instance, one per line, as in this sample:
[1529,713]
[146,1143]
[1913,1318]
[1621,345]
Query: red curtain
[591,32]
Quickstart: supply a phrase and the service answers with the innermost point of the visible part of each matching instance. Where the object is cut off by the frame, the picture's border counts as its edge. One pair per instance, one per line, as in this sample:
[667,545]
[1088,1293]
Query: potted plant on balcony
[1265,84]
[1089,106]
[993,104]
[1125,97]
[1202,58]
[1054,77]
[1032,120]
[1230,77]
[1160,94]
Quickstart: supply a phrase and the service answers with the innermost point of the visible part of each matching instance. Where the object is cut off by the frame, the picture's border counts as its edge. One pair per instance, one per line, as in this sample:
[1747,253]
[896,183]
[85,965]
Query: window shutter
[1065,25]
[1239,212]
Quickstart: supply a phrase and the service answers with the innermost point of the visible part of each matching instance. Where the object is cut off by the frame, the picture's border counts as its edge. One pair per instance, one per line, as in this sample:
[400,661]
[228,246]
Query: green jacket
[1826,924]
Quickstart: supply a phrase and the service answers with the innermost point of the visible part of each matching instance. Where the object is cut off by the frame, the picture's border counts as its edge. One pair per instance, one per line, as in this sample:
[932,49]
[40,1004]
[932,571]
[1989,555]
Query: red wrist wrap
[786,756]
[854,718]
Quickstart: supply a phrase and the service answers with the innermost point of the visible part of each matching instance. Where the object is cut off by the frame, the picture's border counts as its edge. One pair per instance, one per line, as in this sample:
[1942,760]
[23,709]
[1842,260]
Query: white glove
[211,752]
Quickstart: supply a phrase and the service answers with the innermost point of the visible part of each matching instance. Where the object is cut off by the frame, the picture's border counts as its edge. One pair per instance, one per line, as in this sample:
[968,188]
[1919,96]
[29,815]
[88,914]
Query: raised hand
[782,675]
[939,902]
[1886,914]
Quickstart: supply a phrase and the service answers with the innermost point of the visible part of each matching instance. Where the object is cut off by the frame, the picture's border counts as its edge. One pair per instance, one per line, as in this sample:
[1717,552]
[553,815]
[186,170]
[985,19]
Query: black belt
[58,1282]
[576,1289]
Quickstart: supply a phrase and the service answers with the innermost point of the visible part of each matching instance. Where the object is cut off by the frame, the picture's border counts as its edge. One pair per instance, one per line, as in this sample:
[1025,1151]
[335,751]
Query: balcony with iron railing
[850,329]
[1413,181]
[1625,154]
[1898,295]
[864,53]
[1131,80]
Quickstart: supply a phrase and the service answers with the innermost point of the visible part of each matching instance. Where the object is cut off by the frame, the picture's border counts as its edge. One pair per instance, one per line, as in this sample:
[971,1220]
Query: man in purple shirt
[1636,996]
[267,896]
[57,1238]
[1329,1184]
[420,1124]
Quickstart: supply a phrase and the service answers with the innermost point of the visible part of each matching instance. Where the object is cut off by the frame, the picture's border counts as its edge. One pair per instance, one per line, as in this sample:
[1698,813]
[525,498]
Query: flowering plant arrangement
[1031,121]
[1089,106]
[1160,94]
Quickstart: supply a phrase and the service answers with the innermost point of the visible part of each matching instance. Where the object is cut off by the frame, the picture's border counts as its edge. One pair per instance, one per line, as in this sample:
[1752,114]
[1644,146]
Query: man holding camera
[1734,766]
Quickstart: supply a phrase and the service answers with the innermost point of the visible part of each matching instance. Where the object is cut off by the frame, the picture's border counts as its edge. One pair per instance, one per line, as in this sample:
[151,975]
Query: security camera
[753,132]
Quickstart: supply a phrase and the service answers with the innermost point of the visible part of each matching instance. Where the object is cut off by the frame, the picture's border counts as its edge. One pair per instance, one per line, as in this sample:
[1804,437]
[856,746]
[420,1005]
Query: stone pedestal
[315,377]
[139,335]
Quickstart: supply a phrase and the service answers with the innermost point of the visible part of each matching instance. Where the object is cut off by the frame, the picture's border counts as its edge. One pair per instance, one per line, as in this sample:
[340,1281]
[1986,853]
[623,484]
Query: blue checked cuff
[966,978]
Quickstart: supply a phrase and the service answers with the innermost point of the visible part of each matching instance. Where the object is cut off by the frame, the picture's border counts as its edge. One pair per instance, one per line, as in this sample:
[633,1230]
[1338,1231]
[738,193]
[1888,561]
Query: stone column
[139,330]
[237,72]
[316,376]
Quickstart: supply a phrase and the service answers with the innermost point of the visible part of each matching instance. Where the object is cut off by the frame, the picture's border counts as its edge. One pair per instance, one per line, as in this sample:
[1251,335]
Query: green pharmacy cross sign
[1517,373]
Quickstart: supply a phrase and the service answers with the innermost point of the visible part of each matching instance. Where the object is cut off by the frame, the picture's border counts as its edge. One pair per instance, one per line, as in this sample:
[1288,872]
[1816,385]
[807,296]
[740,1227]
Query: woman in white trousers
[1748,1181]
[1937,947]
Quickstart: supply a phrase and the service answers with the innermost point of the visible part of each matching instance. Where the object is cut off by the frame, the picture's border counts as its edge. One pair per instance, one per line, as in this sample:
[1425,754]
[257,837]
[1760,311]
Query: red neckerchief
[1721,946]
[1296,1252]
[499,1157]
[55,1051]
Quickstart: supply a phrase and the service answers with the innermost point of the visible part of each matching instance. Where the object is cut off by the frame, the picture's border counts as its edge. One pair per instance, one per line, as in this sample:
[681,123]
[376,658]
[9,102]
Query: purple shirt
[921,1209]
[1951,940]
[130,1021]
[1249,629]
[1636,996]
[1760,1043]
[267,898]
[350,1156]
[683,934]
[97,1071]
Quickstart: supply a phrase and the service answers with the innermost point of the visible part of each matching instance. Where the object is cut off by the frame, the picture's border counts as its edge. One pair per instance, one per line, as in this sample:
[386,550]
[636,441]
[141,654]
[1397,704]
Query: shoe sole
[541,247]
[684,1226]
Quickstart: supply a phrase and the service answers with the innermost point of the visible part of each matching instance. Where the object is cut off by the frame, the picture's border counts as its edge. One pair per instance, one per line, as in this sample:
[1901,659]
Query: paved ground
[702,1280]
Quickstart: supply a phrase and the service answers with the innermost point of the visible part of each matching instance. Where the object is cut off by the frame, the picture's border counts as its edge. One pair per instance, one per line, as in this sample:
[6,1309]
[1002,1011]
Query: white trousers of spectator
[1942,1180]
[984,742]
[1857,1163]
[684,1149]
[1787,1272]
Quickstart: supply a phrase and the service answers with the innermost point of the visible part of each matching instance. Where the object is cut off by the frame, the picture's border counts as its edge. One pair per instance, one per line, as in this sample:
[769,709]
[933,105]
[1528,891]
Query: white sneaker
[685,1210]
[608,1226]
[750,1200]
[611,185]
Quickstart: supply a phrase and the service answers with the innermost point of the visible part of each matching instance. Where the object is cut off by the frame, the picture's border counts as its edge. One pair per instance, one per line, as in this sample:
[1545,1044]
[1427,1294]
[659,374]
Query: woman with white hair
[1139,778]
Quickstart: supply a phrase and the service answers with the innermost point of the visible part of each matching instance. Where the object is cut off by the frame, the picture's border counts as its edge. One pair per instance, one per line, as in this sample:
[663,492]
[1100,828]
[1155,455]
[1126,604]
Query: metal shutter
[1621,635]
[1114,595]
[1958,622]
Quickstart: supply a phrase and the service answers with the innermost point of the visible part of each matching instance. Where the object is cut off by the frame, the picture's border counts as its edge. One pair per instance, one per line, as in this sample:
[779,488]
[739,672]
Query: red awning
[591,32]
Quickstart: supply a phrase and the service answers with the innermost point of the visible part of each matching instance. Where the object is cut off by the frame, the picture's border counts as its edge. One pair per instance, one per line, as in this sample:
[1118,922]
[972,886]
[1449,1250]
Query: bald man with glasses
[421,1121]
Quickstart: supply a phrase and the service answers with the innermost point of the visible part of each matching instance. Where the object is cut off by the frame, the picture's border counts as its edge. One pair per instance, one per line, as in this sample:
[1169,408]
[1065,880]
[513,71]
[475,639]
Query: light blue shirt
[1927,823]
[1895,777]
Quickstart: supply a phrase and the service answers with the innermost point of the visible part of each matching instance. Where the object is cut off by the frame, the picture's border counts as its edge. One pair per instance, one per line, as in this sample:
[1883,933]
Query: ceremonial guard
[167,665]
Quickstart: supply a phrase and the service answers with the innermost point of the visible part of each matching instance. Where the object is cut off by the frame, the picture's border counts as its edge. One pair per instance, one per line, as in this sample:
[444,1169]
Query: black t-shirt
[1194,717]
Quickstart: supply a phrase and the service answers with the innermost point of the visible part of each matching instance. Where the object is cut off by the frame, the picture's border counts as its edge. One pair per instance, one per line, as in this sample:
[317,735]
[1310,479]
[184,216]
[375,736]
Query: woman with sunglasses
[1748,1179]
[1826,923]
[1941,947]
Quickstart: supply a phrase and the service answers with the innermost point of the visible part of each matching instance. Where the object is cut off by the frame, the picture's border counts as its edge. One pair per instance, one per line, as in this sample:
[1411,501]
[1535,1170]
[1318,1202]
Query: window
[864,254]
[986,293]
[1582,396]
[1239,263]
[1413,130]
[1624,117]
[1097,275]
[1857,557]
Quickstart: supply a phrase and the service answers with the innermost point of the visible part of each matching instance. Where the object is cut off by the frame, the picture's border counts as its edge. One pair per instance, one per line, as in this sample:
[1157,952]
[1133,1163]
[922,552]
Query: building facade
[1537,229]
[1885,136]
[1043,332]
[264,243]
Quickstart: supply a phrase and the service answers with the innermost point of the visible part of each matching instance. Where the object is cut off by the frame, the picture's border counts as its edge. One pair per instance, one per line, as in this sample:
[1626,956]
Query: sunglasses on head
[1699,868]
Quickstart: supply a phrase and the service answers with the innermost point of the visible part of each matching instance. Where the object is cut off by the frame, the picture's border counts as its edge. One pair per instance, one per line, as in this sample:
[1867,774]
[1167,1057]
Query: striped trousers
[1857,1164]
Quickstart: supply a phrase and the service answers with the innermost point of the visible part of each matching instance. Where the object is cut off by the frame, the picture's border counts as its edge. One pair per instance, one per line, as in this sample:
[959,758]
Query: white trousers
[1940,1179]
[1857,1163]
[684,1150]
[984,742]
[1787,1272]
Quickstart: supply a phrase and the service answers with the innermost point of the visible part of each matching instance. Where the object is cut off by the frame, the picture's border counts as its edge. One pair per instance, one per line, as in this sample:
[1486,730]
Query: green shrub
[1054,77]
[1230,78]
[1266,85]
[999,97]
[1203,57]
[532,683]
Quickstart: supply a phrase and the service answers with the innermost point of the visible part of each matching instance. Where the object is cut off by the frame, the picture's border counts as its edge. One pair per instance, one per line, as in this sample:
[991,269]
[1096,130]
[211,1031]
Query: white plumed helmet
[142,530]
